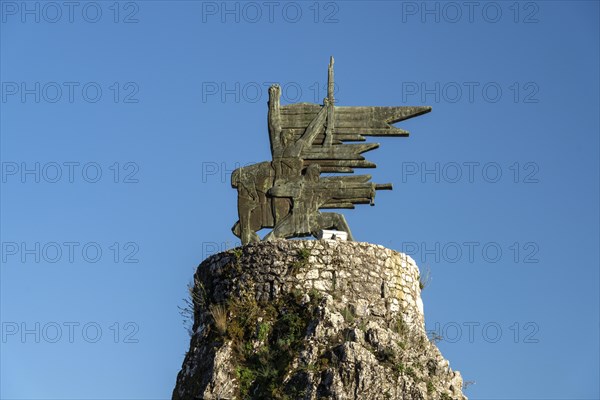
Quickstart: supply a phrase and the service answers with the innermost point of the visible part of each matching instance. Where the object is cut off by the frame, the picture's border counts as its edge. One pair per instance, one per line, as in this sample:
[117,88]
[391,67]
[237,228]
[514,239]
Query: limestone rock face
[299,319]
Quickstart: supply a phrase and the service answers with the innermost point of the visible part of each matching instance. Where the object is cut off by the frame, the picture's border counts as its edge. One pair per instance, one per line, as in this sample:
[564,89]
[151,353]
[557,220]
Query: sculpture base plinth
[311,319]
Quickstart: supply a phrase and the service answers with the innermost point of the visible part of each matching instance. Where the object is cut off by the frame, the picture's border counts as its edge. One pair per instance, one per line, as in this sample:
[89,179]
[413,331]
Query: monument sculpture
[308,139]
[312,319]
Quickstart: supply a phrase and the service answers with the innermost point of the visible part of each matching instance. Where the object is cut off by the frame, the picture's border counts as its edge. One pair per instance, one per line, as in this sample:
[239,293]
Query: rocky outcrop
[299,319]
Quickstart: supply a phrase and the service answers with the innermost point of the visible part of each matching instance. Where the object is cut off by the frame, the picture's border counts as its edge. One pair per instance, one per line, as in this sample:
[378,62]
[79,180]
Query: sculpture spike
[330,104]
[330,83]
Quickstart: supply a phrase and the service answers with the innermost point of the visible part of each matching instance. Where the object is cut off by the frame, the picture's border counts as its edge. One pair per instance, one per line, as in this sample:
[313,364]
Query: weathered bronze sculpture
[287,193]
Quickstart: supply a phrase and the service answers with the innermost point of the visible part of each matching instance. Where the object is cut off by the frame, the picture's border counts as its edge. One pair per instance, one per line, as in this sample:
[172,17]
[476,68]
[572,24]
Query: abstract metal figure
[287,193]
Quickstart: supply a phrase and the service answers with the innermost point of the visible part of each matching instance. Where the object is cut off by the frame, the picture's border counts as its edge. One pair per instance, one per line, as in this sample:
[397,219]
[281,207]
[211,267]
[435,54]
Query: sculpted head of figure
[274,91]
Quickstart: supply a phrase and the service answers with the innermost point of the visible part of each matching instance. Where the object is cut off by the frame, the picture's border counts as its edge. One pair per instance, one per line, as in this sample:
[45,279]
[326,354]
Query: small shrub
[235,331]
[312,367]
[197,298]
[399,368]
[237,253]
[434,337]
[425,278]
[400,327]
[303,254]
[187,314]
[219,314]
[267,372]
[430,387]
[244,309]
[315,295]
[348,315]
[410,372]
[362,325]
[248,349]
[245,377]
[301,262]
[323,363]
[263,331]
[466,384]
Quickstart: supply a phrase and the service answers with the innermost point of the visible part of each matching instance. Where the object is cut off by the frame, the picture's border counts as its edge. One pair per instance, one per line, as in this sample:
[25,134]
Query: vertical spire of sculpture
[330,104]
[330,80]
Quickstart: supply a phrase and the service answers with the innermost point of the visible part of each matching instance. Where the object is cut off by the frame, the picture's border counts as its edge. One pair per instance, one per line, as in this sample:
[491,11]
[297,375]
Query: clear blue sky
[496,190]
